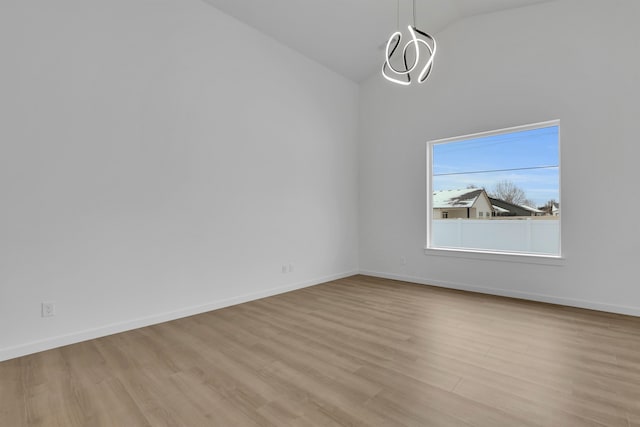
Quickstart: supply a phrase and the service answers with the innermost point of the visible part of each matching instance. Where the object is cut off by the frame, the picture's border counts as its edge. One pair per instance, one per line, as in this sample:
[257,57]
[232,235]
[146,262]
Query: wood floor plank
[356,351]
[12,374]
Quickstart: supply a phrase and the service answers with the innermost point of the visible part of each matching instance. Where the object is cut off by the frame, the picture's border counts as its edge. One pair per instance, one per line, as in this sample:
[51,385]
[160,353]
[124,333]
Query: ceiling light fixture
[418,40]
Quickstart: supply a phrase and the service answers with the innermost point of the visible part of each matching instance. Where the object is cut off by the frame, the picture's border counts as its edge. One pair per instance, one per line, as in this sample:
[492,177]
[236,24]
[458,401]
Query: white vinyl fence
[527,235]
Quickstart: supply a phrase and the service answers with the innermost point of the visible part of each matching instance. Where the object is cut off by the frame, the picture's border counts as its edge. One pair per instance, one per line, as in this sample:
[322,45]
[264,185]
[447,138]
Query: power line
[497,170]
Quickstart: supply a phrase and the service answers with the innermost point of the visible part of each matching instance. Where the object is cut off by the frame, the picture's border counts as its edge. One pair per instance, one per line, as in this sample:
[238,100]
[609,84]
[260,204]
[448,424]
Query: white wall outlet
[403,261]
[284,268]
[48,309]
[290,268]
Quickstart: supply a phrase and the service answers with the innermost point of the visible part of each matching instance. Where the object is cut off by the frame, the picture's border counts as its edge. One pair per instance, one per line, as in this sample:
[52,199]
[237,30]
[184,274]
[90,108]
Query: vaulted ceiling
[348,36]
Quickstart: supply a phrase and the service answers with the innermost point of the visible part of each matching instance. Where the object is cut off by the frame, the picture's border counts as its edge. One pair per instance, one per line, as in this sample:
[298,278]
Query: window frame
[474,253]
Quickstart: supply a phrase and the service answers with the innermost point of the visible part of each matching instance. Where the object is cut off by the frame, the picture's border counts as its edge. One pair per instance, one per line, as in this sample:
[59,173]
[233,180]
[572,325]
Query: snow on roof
[461,198]
[529,208]
[499,209]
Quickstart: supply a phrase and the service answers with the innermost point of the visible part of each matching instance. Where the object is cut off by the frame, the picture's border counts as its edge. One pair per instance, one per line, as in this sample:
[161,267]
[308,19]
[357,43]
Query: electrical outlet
[284,268]
[290,268]
[403,261]
[48,309]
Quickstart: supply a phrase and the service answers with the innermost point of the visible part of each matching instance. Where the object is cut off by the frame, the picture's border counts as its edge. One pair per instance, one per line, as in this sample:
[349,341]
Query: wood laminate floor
[356,351]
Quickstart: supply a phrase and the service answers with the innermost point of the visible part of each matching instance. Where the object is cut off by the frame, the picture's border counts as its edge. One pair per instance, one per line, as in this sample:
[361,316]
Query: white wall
[157,159]
[573,60]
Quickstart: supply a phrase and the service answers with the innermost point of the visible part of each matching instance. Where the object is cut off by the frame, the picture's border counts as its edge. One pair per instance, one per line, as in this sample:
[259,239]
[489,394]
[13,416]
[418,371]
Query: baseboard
[591,305]
[114,328]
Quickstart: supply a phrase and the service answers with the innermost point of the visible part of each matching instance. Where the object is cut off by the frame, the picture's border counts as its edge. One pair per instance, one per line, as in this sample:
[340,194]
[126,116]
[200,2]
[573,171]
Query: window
[510,178]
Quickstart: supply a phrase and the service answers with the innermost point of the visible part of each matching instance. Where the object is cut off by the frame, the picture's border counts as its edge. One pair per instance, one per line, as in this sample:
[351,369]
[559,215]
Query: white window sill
[497,256]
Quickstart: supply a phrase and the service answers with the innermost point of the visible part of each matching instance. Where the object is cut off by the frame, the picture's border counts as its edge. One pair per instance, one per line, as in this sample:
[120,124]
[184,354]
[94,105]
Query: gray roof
[514,210]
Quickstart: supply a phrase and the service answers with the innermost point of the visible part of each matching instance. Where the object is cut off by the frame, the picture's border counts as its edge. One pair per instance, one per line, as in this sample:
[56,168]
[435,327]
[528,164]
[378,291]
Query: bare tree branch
[509,192]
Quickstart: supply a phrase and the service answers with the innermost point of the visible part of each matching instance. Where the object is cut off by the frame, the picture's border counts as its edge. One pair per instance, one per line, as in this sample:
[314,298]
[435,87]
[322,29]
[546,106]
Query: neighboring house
[534,211]
[502,208]
[551,208]
[462,203]
[498,211]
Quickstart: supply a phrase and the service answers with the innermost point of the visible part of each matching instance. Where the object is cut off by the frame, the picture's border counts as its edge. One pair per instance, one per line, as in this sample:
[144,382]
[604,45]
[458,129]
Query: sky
[482,162]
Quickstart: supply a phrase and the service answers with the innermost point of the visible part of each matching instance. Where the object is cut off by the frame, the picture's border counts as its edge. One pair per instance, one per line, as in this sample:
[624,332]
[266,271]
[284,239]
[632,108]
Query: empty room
[319,213]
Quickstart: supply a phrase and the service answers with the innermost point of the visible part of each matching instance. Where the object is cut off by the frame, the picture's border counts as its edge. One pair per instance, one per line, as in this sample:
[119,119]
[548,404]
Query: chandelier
[416,56]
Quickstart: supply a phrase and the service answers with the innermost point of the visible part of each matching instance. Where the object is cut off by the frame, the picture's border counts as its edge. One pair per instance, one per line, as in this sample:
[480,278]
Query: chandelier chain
[414,13]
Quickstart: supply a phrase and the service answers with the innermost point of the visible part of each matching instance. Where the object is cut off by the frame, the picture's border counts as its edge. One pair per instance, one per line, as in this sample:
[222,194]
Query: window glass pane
[500,190]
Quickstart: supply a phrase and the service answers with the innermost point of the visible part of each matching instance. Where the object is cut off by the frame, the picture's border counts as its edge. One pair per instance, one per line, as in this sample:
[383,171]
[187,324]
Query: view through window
[496,191]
